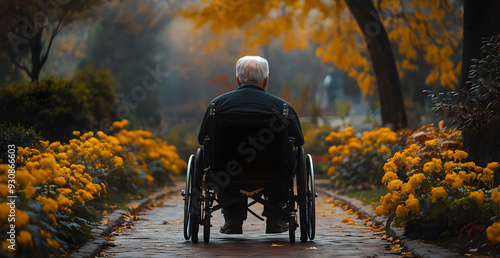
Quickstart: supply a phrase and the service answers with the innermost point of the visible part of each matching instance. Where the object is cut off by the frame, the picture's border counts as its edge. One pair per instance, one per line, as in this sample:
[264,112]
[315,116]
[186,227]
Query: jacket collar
[250,86]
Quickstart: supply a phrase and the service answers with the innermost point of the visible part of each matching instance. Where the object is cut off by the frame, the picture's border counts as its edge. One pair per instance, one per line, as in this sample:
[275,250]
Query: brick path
[159,233]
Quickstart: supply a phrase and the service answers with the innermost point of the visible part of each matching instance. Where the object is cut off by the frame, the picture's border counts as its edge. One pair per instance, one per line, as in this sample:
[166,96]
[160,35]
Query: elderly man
[252,75]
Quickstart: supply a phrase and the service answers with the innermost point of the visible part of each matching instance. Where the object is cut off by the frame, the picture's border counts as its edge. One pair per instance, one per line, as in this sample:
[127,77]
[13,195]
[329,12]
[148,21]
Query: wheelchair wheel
[311,198]
[302,195]
[292,225]
[188,197]
[206,228]
[196,193]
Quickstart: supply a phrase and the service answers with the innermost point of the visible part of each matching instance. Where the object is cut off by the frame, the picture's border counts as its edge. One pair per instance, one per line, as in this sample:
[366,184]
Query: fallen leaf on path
[108,238]
[170,223]
[348,221]
[396,248]
[273,244]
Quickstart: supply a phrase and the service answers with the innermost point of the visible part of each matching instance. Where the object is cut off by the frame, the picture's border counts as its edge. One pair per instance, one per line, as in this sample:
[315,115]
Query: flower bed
[358,160]
[57,188]
[433,186]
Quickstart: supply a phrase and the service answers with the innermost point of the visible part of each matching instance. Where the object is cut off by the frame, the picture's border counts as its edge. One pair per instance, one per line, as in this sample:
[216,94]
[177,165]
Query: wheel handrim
[311,196]
[302,192]
[188,199]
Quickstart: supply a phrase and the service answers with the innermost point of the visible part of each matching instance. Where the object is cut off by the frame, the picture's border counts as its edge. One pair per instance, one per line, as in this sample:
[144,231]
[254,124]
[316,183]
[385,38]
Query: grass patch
[367,196]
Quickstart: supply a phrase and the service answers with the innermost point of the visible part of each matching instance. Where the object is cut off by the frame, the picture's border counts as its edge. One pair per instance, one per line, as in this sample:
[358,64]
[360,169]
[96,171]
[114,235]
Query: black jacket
[252,99]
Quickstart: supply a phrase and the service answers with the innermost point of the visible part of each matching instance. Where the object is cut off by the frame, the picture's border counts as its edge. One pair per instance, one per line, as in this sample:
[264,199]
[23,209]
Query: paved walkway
[158,232]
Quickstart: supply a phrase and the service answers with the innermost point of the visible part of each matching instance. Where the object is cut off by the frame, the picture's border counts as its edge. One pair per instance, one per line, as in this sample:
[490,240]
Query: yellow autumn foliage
[420,28]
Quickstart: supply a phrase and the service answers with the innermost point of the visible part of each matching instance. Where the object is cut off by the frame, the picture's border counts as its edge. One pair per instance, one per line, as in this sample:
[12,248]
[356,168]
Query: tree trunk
[36,53]
[481,20]
[391,98]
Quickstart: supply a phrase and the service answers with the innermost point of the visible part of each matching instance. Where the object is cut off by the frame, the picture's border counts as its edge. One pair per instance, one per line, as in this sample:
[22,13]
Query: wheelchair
[251,154]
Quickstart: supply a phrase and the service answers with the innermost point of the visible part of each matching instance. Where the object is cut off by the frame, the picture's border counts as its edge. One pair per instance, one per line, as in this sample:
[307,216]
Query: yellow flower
[390,200]
[388,177]
[25,239]
[150,178]
[495,196]
[331,171]
[22,218]
[493,232]
[487,175]
[410,161]
[449,154]
[349,132]
[64,201]
[366,150]
[416,179]
[438,192]
[383,149]
[4,191]
[478,196]
[83,196]
[53,244]
[5,246]
[49,205]
[334,160]
[101,134]
[345,152]
[459,155]
[493,165]
[412,203]
[390,167]
[433,166]
[395,185]
[118,162]
[407,188]
[402,211]
[355,145]
[454,180]
[64,191]
[45,234]
[381,211]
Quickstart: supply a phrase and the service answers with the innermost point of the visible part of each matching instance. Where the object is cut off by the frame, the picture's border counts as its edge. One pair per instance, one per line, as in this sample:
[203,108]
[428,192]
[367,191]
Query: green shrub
[57,107]
[17,136]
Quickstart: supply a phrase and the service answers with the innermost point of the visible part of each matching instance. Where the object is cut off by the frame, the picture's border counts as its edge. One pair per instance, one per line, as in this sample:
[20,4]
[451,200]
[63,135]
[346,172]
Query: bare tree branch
[19,64]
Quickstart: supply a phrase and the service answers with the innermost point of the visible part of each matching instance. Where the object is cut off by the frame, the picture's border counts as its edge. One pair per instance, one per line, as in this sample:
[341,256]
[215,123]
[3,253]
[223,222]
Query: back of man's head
[252,70]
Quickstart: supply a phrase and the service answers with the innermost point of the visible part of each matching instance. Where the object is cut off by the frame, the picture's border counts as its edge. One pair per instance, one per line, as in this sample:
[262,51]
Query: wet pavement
[158,232]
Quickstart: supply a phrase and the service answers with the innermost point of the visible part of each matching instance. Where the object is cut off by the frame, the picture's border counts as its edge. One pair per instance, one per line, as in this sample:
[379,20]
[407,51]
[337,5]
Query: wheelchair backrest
[246,150]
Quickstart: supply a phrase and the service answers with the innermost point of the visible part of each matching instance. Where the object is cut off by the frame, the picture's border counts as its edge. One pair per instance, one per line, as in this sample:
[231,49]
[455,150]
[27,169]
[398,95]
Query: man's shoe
[232,226]
[276,226]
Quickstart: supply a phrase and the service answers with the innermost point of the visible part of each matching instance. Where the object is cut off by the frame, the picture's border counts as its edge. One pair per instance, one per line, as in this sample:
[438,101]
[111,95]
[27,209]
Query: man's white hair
[252,70]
